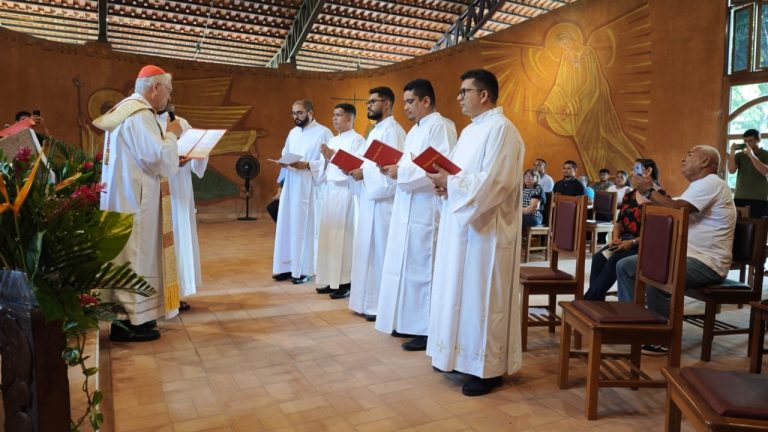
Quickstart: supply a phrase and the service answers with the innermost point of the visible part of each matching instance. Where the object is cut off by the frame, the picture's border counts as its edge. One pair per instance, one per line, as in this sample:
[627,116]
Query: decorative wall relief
[593,89]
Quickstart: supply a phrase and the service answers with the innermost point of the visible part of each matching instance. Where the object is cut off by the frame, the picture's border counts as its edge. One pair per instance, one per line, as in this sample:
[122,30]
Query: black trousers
[272,209]
[757,208]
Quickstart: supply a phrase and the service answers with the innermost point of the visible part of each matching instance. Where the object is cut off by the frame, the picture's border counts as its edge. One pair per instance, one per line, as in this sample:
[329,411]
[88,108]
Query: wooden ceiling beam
[300,29]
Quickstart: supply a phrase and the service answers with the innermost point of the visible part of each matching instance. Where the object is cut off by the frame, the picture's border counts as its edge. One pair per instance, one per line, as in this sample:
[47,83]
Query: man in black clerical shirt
[569,185]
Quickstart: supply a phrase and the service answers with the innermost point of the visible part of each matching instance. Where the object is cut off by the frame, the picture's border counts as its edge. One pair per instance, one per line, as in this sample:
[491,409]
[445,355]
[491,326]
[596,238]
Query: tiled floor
[258,355]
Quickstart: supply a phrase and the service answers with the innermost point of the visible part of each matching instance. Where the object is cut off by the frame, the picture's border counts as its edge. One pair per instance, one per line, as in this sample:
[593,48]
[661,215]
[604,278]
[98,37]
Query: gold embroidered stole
[109,122]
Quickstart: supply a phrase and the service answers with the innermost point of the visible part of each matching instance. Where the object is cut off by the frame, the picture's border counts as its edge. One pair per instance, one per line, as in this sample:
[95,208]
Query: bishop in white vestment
[338,211]
[138,152]
[376,197]
[475,313]
[407,277]
[295,231]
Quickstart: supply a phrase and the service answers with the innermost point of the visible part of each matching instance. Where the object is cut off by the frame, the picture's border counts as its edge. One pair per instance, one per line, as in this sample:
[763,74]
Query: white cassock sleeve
[199,166]
[470,195]
[154,154]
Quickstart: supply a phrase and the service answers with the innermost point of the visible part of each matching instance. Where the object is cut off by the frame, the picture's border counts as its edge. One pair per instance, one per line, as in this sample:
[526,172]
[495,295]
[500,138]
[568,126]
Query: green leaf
[91,371]
[115,230]
[69,325]
[96,398]
[97,419]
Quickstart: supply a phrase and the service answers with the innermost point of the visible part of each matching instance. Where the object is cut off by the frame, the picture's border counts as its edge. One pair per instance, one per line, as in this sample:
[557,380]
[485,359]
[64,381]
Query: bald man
[711,224]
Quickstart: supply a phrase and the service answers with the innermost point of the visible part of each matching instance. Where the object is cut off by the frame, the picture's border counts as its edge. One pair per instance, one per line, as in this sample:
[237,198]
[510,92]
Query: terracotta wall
[663,76]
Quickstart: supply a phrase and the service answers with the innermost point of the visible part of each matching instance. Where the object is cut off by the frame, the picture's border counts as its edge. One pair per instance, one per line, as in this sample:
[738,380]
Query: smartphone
[638,169]
[36,113]
[741,146]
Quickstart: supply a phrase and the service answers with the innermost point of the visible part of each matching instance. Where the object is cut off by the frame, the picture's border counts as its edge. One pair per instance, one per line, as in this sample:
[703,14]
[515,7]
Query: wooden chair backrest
[567,231]
[749,248]
[661,260]
[605,206]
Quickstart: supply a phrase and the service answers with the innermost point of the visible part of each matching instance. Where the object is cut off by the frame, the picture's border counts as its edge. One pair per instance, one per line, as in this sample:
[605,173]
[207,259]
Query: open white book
[287,159]
[198,143]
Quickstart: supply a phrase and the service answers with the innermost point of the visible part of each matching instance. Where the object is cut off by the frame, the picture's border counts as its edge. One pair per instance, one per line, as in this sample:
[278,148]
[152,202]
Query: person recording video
[39,126]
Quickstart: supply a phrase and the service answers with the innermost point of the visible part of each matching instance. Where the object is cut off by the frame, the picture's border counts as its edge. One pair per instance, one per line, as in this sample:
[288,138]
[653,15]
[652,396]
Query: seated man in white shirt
[711,224]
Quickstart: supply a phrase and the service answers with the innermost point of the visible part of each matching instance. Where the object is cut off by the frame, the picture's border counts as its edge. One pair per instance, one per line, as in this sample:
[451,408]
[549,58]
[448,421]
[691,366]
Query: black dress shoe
[281,276]
[138,333]
[184,306]
[340,293]
[480,386]
[324,290]
[395,333]
[370,318]
[149,324]
[300,280]
[419,343]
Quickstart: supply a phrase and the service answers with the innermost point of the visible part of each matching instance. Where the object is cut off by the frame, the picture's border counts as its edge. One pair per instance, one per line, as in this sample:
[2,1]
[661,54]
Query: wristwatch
[648,193]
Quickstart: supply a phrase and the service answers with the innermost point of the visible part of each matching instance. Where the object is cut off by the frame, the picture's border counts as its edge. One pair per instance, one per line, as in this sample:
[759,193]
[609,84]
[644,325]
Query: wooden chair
[539,233]
[748,250]
[568,215]
[661,263]
[716,400]
[741,212]
[757,347]
[605,210]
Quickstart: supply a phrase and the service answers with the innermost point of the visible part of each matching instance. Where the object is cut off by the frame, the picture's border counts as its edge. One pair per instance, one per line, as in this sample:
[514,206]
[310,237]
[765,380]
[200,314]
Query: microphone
[171,110]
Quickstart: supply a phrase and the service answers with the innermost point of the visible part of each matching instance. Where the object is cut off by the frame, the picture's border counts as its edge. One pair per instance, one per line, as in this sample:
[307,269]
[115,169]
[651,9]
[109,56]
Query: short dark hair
[386,93]
[347,108]
[484,80]
[422,88]
[604,171]
[650,163]
[21,114]
[572,163]
[622,172]
[754,133]
[542,161]
[306,103]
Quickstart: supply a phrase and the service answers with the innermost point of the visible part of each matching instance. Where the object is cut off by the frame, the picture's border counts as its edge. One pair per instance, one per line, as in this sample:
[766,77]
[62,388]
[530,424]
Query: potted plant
[54,237]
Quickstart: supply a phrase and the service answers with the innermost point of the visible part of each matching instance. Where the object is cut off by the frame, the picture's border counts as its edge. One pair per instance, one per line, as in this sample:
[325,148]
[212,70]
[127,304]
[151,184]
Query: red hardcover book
[430,157]
[346,161]
[17,127]
[382,154]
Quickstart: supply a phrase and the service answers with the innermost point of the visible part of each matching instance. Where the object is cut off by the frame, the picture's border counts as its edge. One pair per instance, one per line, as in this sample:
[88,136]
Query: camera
[638,169]
[36,113]
[741,146]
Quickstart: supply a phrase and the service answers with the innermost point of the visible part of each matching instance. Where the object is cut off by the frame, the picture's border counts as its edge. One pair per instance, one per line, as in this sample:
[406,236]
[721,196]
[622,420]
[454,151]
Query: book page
[287,159]
[198,143]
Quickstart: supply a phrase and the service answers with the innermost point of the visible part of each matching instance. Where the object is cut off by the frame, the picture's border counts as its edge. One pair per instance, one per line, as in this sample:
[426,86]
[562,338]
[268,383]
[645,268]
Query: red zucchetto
[149,71]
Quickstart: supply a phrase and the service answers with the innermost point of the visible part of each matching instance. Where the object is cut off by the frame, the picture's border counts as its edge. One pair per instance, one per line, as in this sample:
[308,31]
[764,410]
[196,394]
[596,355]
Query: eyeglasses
[373,101]
[463,92]
[298,113]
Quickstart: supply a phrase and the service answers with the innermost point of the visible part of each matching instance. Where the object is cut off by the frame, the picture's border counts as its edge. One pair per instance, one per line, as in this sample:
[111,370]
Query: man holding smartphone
[751,183]
[39,124]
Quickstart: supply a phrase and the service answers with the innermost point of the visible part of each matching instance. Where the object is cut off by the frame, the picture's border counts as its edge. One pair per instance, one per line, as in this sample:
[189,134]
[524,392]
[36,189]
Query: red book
[430,157]
[346,161]
[17,127]
[382,154]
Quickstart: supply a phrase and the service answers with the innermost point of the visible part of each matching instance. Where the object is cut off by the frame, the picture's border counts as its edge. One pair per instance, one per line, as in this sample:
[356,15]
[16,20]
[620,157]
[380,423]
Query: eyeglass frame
[371,102]
[463,92]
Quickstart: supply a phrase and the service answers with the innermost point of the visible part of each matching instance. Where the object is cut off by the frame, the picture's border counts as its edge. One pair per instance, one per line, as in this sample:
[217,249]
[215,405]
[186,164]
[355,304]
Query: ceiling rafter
[344,34]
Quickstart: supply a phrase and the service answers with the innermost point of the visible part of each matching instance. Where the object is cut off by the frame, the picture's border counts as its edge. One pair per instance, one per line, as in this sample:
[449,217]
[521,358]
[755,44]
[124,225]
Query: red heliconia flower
[90,194]
[23,155]
[87,300]
[87,165]
[98,157]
